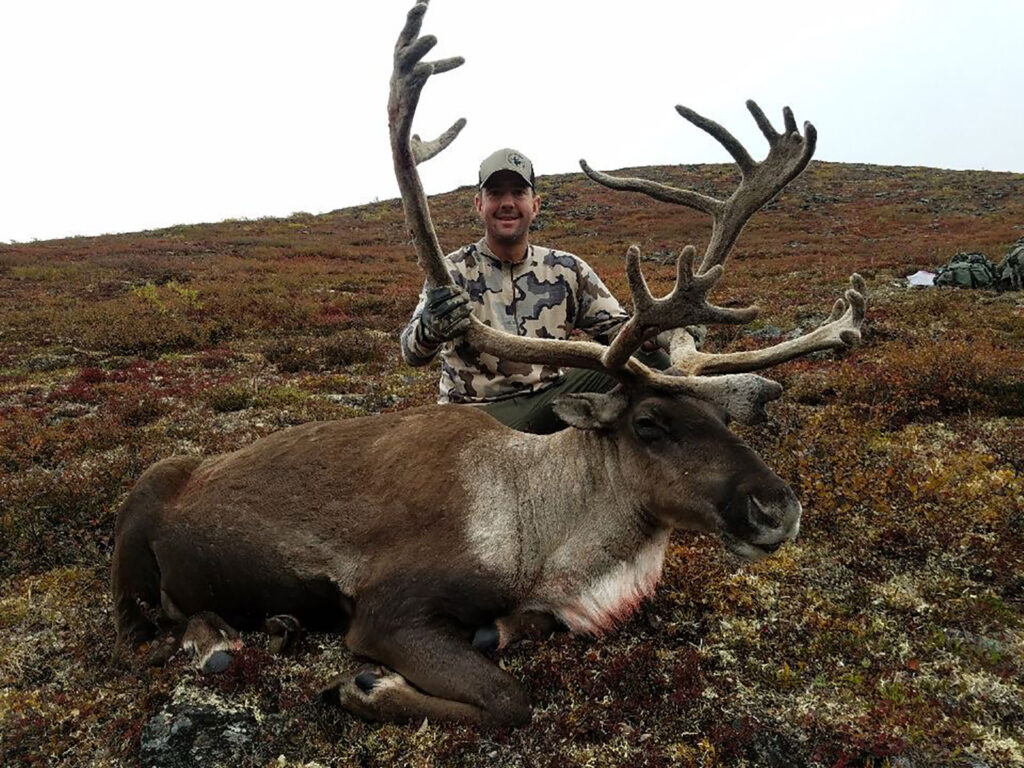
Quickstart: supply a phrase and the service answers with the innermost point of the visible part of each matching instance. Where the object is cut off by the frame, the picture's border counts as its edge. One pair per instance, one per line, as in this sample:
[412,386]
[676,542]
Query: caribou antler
[743,395]
[409,76]
[841,329]
[788,154]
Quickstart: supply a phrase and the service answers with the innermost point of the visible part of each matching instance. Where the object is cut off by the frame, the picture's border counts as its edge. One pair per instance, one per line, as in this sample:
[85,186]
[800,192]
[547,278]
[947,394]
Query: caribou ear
[590,410]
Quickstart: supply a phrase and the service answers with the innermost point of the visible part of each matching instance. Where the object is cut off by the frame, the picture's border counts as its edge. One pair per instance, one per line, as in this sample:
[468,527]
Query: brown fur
[410,532]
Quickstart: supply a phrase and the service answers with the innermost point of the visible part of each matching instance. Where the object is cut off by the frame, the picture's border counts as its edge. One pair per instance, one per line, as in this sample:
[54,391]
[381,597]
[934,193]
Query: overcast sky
[121,116]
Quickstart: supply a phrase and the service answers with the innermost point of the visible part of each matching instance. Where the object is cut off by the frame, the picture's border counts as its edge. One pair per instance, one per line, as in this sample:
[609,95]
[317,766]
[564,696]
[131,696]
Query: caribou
[428,561]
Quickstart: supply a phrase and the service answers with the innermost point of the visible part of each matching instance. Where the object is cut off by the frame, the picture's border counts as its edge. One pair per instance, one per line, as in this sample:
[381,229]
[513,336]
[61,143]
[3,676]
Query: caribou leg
[379,694]
[211,641]
[437,675]
[285,631]
[515,627]
[206,636]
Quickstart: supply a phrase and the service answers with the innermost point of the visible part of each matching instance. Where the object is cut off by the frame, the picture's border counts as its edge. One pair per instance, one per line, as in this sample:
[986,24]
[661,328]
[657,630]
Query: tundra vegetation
[889,633]
[429,561]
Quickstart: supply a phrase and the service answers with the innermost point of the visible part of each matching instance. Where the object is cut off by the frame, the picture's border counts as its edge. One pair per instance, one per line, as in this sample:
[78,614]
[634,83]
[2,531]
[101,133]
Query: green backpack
[968,270]
[1011,269]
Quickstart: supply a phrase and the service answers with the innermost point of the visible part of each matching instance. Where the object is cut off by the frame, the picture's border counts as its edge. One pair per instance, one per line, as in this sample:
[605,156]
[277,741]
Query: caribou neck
[553,503]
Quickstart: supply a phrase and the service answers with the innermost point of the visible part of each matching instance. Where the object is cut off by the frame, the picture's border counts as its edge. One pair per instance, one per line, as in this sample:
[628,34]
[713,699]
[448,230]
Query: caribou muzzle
[757,521]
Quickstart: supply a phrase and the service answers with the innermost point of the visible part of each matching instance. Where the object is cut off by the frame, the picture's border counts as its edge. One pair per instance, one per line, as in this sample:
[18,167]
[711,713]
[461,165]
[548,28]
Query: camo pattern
[547,295]
[1011,268]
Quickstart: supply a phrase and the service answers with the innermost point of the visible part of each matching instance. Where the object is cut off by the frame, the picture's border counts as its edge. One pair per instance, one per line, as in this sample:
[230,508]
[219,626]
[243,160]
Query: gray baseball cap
[506,160]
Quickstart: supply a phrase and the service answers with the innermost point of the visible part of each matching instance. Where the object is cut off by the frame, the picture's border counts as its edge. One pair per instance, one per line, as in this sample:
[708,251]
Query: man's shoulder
[556,259]
[466,257]
[460,253]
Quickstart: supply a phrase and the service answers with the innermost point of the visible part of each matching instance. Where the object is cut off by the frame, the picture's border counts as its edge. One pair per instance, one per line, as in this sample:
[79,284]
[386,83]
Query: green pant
[532,411]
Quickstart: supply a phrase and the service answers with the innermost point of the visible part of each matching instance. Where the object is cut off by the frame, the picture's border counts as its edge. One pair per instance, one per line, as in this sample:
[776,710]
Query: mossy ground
[889,634]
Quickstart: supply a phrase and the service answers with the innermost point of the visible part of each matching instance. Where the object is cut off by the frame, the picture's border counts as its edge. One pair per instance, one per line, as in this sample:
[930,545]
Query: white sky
[121,116]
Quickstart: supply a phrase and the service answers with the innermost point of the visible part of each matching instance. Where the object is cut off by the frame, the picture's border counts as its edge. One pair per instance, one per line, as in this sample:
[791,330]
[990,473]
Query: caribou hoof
[284,630]
[344,689]
[211,641]
[366,681]
[217,661]
[487,639]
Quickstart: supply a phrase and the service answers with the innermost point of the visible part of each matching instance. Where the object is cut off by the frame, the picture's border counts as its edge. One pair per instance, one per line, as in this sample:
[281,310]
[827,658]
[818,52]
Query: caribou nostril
[759,515]
[770,548]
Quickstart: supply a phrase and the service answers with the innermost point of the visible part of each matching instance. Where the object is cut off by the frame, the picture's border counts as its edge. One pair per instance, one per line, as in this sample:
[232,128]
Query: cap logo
[506,159]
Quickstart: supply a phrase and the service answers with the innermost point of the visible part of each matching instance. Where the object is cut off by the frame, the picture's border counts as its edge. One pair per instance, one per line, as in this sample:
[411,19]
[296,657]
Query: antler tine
[722,136]
[658,191]
[685,305]
[409,76]
[841,329]
[788,155]
[424,150]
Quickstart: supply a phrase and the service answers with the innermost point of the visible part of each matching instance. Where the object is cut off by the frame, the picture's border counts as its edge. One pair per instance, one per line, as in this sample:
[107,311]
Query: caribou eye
[648,428]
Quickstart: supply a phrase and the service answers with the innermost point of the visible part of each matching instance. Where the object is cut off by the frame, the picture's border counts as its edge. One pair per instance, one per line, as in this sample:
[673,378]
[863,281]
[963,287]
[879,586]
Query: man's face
[507,206]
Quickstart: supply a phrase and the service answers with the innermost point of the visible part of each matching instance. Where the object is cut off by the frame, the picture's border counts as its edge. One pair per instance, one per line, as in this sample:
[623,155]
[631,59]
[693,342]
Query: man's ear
[536,203]
[590,410]
[477,203]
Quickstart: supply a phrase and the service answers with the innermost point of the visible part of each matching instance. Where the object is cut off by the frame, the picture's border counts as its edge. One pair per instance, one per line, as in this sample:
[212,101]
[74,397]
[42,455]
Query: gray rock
[197,728]
[766,333]
[354,401]
[49,362]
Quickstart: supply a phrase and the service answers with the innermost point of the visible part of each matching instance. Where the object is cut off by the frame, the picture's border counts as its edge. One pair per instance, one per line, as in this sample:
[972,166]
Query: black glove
[445,315]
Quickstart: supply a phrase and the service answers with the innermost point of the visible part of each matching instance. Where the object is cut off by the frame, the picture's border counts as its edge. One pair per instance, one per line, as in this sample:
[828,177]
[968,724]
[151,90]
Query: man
[506,282]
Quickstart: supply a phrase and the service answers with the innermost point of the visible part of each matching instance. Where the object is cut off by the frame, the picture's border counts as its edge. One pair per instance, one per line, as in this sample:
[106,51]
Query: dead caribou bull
[421,558]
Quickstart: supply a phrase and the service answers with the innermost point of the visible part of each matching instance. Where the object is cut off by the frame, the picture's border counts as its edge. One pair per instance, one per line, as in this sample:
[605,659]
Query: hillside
[891,633]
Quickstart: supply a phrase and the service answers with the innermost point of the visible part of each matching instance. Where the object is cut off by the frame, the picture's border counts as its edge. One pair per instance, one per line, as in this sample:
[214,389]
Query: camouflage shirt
[547,295]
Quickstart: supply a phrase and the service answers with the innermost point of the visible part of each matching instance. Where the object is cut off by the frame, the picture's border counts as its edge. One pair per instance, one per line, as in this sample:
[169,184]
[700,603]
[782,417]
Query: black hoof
[217,662]
[284,631]
[366,681]
[281,624]
[486,639]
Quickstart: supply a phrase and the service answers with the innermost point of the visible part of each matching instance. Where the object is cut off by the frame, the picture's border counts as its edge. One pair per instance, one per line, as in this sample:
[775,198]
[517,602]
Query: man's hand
[445,315]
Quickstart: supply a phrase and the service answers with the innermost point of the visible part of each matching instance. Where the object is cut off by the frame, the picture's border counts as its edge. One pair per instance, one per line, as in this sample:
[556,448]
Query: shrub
[135,327]
[137,407]
[355,346]
[229,398]
[940,379]
[62,516]
[347,347]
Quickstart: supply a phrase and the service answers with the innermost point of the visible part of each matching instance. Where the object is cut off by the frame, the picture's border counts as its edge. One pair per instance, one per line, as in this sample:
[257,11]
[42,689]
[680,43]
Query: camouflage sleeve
[416,351]
[598,313]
